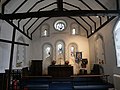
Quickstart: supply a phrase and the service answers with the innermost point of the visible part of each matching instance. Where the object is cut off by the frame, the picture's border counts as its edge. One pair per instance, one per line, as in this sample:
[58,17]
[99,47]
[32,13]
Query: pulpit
[60,70]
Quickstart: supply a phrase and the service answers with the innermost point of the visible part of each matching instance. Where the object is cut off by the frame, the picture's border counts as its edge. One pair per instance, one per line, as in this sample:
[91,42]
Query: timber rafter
[59,12]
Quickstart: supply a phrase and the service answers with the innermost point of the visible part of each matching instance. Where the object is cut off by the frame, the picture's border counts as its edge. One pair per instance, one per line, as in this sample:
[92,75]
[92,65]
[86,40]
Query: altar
[60,70]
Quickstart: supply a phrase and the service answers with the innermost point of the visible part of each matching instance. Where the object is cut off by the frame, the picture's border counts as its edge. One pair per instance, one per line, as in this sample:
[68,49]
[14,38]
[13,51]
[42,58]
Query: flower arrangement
[66,62]
[53,62]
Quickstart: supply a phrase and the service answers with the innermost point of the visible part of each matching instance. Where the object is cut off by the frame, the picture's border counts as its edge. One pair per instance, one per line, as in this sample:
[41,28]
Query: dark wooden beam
[60,14]
[4,4]
[32,8]
[38,11]
[39,25]
[18,29]
[101,4]
[102,26]
[60,5]
[93,22]
[18,43]
[80,16]
[11,58]
[26,24]
[87,23]
[31,26]
[80,25]
[72,5]
[117,5]
[20,6]
[85,4]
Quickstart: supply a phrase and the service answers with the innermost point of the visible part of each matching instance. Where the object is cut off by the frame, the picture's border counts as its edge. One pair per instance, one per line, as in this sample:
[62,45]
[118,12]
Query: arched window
[45,33]
[47,51]
[117,42]
[99,49]
[47,57]
[74,29]
[44,30]
[20,60]
[72,49]
[60,52]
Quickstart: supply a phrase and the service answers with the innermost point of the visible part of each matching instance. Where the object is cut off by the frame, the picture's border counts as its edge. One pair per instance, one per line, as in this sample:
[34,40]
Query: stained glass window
[72,49]
[60,52]
[60,25]
[47,51]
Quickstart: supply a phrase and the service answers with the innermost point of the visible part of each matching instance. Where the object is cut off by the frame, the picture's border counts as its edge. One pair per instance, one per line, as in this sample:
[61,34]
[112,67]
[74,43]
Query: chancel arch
[99,49]
[60,52]
[47,57]
[21,53]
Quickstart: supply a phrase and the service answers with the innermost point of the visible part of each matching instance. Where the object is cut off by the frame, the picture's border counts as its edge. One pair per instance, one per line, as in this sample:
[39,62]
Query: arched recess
[45,30]
[47,51]
[21,53]
[99,49]
[60,52]
[74,29]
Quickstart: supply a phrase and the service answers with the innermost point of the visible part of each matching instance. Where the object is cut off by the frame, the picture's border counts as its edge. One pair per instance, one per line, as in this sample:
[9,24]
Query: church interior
[59,44]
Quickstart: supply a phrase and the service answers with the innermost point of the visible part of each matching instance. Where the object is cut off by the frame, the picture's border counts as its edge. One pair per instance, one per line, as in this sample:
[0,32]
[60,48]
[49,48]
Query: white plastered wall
[110,66]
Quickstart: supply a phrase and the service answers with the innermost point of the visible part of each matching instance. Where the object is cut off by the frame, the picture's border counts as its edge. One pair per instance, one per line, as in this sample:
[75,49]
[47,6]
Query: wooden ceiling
[28,13]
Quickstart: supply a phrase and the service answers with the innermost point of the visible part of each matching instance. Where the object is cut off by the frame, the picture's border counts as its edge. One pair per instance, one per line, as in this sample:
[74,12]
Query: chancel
[59,44]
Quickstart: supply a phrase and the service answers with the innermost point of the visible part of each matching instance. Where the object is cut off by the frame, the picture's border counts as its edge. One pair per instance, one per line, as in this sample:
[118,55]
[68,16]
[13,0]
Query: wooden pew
[35,82]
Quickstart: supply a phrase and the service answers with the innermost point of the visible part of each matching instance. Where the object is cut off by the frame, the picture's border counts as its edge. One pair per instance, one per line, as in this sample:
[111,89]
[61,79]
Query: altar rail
[81,82]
